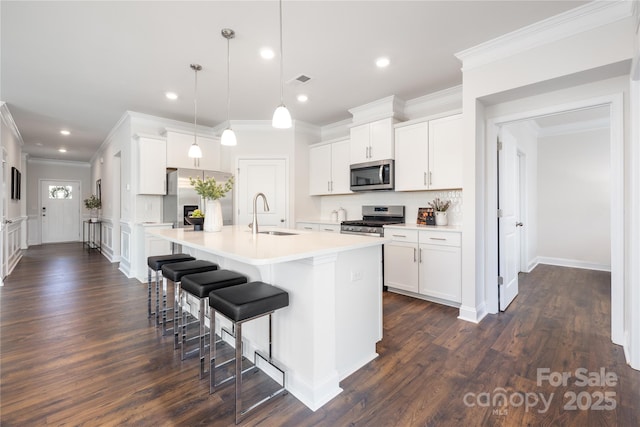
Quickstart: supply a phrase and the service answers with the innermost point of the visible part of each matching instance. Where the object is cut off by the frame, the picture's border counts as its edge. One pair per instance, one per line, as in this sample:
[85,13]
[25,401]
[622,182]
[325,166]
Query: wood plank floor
[77,349]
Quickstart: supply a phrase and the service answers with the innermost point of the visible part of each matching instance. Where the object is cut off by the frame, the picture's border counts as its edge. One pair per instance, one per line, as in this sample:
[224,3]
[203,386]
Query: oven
[374,218]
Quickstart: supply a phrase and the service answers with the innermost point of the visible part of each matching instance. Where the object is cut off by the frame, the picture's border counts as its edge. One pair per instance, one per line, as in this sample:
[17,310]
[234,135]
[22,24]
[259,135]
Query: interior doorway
[60,211]
[614,105]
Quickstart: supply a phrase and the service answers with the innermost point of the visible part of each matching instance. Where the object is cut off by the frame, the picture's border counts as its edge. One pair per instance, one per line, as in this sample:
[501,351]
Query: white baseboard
[573,263]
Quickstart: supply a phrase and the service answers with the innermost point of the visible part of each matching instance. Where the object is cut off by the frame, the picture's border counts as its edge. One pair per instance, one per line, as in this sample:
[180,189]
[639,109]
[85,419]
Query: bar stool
[155,264]
[174,272]
[240,304]
[199,285]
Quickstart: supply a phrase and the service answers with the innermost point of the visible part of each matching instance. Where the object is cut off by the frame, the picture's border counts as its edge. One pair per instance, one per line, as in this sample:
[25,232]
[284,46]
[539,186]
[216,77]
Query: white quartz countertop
[238,243]
[450,228]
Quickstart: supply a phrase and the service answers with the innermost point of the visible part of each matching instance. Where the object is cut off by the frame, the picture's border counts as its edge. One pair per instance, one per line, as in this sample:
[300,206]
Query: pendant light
[194,151]
[228,136]
[281,117]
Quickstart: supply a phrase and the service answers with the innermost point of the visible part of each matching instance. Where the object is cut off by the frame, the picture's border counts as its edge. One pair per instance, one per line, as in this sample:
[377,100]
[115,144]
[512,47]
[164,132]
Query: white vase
[94,215]
[441,218]
[213,216]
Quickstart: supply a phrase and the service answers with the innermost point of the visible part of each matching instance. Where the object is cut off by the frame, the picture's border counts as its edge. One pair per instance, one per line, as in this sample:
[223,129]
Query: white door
[268,176]
[60,211]
[508,251]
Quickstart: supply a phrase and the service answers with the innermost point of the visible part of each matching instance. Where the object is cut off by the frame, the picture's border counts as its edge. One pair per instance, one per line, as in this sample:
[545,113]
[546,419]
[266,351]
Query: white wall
[574,199]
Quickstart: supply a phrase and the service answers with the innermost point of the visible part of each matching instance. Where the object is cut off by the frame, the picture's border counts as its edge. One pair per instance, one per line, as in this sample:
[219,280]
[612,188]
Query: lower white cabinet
[424,262]
[318,226]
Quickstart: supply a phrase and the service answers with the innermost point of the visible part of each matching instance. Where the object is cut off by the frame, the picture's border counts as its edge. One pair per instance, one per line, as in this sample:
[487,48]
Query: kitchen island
[334,281]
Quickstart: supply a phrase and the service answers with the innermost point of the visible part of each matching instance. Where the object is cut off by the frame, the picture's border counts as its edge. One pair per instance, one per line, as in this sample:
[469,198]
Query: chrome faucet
[254,224]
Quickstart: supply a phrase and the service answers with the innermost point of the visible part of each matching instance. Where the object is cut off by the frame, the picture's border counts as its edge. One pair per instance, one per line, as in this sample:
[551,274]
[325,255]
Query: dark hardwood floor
[77,349]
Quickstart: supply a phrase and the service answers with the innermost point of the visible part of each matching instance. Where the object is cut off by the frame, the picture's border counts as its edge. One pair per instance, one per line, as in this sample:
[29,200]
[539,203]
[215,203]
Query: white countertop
[450,228]
[319,221]
[238,243]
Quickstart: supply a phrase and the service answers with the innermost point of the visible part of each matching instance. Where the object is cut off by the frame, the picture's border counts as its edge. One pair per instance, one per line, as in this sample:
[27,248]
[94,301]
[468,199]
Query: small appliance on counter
[342,215]
[374,218]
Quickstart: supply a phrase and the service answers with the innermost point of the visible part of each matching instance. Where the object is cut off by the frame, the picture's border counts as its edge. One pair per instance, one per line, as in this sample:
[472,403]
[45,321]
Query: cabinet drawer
[329,228]
[307,226]
[401,235]
[440,238]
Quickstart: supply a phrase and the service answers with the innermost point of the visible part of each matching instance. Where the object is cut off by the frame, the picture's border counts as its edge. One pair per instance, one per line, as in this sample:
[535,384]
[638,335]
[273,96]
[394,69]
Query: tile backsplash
[412,200]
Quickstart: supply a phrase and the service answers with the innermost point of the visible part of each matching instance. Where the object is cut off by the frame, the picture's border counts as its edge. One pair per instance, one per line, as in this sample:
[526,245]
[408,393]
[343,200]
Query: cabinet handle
[414,254]
[331,186]
[430,178]
[437,238]
[327,229]
[420,256]
[308,228]
[328,185]
[425,178]
[398,235]
[370,152]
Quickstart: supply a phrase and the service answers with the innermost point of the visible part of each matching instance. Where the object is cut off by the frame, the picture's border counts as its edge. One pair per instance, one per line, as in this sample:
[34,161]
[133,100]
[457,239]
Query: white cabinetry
[318,226]
[401,260]
[152,165]
[329,168]
[372,141]
[440,265]
[178,144]
[424,263]
[429,154]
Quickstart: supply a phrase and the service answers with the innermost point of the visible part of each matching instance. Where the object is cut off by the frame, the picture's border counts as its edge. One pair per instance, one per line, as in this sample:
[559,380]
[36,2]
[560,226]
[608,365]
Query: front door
[268,176]
[60,211]
[508,250]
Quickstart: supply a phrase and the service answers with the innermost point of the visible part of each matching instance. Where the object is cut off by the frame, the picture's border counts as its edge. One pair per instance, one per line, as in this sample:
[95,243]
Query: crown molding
[389,107]
[7,119]
[566,24]
[58,162]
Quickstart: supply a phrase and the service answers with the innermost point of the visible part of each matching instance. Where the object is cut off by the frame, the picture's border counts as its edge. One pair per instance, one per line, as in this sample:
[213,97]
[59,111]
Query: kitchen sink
[278,233]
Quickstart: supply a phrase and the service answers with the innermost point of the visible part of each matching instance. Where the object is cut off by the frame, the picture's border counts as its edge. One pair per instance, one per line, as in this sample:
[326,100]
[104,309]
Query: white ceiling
[81,65]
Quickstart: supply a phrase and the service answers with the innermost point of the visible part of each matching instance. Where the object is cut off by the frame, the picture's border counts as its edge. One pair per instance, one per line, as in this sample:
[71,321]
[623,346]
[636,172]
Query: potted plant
[211,191]
[440,207]
[93,204]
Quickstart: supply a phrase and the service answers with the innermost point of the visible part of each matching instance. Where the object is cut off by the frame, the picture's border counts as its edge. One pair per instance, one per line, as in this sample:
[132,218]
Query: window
[60,192]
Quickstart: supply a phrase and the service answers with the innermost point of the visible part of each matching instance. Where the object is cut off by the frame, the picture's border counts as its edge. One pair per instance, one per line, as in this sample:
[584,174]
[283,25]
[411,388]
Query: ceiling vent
[301,79]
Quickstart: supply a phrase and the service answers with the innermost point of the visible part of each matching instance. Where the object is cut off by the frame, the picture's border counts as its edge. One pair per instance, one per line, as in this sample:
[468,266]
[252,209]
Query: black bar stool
[173,272]
[240,304]
[155,264]
[199,285]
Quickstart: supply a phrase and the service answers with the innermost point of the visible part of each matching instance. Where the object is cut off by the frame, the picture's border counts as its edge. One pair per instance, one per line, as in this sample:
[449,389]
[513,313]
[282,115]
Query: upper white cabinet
[372,141]
[329,168]
[429,155]
[152,165]
[178,144]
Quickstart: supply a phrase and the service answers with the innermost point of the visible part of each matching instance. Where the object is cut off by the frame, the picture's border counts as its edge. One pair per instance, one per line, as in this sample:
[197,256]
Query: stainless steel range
[373,220]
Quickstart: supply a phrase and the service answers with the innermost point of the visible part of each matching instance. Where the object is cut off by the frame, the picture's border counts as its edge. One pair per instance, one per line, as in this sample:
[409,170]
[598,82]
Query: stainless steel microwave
[372,176]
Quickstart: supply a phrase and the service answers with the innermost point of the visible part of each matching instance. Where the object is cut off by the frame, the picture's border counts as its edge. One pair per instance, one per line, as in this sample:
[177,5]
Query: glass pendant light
[194,151]
[228,136]
[281,117]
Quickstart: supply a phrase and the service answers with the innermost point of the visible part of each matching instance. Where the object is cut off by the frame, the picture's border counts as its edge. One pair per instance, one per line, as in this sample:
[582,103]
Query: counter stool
[199,285]
[173,272]
[240,304]
[155,264]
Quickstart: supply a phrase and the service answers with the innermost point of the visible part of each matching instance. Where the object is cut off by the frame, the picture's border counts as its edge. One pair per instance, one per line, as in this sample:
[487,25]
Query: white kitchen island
[334,318]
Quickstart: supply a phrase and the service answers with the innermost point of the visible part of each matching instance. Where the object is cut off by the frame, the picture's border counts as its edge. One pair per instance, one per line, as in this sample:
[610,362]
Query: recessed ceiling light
[303,98]
[171,95]
[267,53]
[39,144]
[65,132]
[62,150]
[382,62]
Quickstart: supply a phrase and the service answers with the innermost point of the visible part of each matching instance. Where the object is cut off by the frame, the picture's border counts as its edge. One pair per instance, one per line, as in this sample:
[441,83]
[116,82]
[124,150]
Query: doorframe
[523,233]
[80,217]
[615,102]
